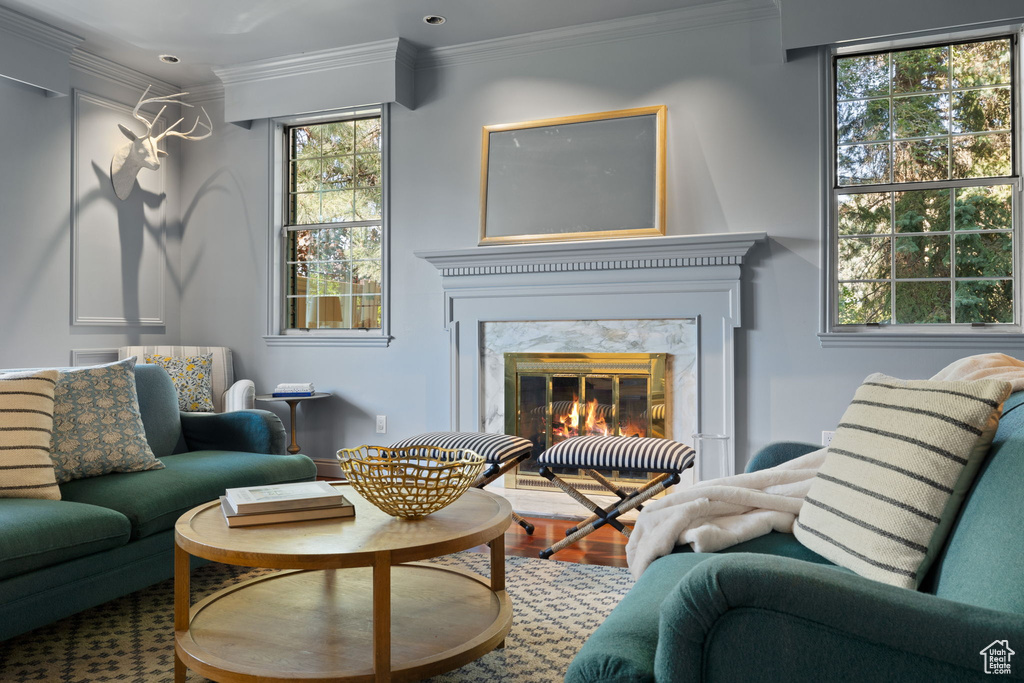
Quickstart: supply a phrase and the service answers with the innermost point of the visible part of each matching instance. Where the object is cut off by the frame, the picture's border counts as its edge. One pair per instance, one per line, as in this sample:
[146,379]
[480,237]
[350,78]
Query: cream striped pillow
[26,422]
[896,473]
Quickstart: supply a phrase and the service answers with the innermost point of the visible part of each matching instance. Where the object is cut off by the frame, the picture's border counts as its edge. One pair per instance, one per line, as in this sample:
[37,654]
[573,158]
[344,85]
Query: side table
[292,402]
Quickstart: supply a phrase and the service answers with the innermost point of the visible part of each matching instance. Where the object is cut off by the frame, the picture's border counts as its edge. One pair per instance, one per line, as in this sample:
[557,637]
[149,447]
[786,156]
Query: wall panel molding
[118,247]
[81,358]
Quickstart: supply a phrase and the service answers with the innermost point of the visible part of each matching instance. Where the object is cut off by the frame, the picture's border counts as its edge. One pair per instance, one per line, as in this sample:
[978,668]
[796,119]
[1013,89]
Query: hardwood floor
[605,546]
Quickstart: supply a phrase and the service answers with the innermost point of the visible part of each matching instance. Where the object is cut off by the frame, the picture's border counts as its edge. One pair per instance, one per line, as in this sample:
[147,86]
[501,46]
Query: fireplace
[679,294]
[550,397]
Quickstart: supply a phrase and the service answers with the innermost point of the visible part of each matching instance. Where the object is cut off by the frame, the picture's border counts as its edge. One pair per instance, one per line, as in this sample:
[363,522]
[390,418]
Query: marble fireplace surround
[686,278]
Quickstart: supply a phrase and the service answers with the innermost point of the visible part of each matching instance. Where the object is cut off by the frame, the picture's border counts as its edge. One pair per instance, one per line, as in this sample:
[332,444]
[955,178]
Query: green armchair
[771,610]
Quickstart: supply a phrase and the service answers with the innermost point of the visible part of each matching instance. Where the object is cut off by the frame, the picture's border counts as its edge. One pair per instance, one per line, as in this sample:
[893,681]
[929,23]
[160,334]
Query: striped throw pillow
[26,422]
[896,473]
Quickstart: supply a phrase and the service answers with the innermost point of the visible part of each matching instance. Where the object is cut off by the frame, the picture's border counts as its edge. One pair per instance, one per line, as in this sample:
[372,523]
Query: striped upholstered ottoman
[501,451]
[665,457]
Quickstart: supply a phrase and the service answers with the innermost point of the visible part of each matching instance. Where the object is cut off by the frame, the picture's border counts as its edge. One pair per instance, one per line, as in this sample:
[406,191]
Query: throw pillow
[896,473]
[191,377]
[26,422]
[97,427]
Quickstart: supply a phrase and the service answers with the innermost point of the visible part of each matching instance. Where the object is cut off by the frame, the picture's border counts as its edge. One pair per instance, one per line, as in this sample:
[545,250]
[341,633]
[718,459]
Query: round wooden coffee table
[351,607]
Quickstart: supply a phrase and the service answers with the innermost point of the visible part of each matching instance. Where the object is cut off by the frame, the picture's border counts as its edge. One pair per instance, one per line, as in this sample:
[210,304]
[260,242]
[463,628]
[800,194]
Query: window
[333,226]
[924,187]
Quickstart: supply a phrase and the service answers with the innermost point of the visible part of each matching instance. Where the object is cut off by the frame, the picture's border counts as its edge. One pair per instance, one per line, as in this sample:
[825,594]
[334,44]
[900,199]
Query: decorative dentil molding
[677,251]
[37,31]
[393,49]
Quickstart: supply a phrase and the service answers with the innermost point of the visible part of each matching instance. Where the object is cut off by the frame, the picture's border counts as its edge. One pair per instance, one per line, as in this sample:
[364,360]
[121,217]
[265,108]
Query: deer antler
[187,135]
[169,99]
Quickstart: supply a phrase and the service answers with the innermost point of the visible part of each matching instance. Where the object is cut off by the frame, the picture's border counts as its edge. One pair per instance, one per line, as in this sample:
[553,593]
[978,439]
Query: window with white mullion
[923,194]
[333,224]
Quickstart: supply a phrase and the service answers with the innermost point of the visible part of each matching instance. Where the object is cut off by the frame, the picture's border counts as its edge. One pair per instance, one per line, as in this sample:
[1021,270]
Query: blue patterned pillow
[97,427]
[191,377]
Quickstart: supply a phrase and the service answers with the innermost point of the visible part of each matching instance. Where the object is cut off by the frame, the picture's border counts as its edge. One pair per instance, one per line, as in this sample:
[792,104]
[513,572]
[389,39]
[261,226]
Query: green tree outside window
[924,201]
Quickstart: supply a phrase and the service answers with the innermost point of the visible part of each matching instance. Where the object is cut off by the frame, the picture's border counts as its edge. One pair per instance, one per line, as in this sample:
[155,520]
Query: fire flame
[594,424]
[590,420]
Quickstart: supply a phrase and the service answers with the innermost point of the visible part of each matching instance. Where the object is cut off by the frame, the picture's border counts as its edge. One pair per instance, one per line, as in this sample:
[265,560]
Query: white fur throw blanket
[985,366]
[719,513]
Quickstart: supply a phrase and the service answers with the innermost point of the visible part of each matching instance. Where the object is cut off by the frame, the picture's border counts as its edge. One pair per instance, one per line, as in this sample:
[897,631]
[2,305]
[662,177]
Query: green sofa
[771,610]
[114,534]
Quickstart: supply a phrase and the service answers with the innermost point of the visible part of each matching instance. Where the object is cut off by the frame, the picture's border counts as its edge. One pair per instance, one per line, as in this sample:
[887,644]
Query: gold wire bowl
[410,482]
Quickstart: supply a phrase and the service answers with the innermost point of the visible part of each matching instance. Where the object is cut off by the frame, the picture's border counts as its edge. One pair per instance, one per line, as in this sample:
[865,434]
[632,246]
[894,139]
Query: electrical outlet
[382,424]
[826,438]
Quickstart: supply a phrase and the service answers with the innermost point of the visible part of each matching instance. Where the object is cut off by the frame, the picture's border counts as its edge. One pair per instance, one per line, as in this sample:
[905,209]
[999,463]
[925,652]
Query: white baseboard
[328,469]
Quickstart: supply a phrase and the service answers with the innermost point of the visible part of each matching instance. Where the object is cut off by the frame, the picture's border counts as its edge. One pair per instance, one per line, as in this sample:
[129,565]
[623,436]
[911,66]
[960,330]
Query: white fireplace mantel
[677,251]
[677,277]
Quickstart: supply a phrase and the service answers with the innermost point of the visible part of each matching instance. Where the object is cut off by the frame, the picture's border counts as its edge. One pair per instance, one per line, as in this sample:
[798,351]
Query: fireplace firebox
[550,397]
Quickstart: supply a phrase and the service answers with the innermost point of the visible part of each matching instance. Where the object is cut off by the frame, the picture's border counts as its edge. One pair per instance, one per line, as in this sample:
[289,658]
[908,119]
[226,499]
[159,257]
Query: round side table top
[271,397]
[475,518]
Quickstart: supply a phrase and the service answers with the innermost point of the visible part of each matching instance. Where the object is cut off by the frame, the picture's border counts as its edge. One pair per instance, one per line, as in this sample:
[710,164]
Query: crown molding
[204,92]
[321,60]
[89,63]
[644,25]
[37,31]
[676,251]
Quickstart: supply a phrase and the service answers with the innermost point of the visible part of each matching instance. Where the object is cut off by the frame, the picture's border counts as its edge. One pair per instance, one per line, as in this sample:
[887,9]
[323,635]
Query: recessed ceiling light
[434,19]
[169,59]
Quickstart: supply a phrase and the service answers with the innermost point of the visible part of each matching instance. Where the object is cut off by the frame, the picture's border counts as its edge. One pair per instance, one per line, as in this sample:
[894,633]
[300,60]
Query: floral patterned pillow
[97,426]
[191,377]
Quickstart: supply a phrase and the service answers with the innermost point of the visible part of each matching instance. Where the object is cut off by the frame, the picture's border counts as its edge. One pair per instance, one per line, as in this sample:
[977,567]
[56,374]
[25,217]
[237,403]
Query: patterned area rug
[556,605]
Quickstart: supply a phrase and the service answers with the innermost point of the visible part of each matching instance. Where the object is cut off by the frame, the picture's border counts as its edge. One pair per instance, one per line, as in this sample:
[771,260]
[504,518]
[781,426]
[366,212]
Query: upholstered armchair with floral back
[196,368]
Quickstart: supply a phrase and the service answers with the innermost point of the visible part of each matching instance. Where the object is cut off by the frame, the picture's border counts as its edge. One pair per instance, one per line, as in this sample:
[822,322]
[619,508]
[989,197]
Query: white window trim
[905,336]
[277,332]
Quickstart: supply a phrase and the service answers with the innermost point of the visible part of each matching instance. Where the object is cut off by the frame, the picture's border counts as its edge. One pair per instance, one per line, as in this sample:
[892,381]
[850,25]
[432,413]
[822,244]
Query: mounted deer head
[141,150]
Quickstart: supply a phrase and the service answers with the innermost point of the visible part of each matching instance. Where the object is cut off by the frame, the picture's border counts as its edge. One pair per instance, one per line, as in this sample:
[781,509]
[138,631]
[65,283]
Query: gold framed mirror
[594,176]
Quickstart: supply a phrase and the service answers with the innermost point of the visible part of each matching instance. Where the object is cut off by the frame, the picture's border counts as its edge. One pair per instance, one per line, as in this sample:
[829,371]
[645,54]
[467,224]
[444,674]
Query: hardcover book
[277,497]
[235,519]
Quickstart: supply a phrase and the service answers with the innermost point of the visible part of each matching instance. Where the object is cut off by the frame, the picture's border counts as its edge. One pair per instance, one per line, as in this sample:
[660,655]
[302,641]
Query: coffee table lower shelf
[318,625]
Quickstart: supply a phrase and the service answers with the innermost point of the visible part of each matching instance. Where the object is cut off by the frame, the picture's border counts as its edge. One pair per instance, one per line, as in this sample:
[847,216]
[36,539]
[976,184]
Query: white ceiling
[214,33]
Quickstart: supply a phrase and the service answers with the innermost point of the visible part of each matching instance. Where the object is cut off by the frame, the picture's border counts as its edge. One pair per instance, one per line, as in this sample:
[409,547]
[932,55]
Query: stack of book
[284,503]
[286,389]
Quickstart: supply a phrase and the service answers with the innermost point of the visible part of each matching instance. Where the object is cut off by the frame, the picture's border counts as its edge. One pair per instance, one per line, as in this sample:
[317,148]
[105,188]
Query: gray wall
[743,138]
[35,230]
